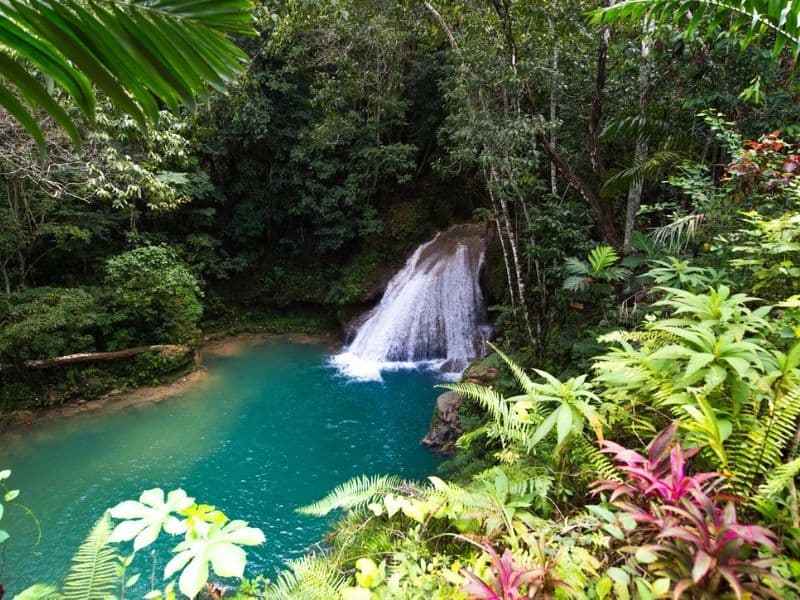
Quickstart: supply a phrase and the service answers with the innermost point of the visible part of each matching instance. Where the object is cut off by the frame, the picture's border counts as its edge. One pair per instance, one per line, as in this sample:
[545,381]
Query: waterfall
[432,313]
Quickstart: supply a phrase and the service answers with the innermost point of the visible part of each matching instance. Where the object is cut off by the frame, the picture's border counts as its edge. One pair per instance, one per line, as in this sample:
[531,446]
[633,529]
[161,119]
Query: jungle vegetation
[638,166]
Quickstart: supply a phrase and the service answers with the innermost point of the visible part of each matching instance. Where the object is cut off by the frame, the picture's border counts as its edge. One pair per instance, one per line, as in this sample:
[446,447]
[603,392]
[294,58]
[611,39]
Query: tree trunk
[6,279]
[512,242]
[87,357]
[553,117]
[602,211]
[642,148]
[598,98]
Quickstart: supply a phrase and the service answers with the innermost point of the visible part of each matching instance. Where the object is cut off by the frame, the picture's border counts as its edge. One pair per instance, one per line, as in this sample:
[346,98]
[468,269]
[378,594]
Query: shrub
[46,322]
[152,297]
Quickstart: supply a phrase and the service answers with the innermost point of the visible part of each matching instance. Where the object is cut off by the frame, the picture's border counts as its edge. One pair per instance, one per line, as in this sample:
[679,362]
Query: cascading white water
[432,312]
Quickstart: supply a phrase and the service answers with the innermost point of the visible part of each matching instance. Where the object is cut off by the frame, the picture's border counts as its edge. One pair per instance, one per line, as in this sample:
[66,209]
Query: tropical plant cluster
[637,166]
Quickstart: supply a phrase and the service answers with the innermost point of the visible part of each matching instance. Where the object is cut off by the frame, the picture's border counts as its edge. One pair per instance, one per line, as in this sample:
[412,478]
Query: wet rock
[454,365]
[445,426]
[483,371]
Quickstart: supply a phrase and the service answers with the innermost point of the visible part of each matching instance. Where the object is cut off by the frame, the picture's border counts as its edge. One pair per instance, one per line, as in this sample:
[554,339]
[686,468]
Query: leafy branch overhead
[751,19]
[141,54]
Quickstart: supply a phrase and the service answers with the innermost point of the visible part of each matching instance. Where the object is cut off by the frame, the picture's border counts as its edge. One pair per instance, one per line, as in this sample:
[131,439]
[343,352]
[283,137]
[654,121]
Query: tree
[140,54]
[750,19]
[152,297]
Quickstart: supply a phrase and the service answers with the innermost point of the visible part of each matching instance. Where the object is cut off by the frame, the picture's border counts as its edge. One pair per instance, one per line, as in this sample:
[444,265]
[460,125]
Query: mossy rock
[484,370]
[446,426]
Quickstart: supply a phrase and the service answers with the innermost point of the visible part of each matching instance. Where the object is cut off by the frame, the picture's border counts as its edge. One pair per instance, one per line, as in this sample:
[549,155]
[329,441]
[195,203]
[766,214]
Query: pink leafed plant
[683,531]
[511,580]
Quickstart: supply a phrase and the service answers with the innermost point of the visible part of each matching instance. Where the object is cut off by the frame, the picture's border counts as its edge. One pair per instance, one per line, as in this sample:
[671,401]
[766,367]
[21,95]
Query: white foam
[365,369]
[431,316]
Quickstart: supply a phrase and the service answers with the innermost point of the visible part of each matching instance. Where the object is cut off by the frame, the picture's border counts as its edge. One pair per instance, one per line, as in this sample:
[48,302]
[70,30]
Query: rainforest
[414,299]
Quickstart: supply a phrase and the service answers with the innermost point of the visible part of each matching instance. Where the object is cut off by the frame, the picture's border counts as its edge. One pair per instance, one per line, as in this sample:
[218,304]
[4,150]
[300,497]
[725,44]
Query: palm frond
[93,574]
[680,232]
[750,19]
[353,494]
[636,125]
[644,169]
[140,53]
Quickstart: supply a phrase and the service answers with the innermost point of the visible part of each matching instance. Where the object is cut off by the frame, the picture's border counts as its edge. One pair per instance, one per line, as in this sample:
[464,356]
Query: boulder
[445,426]
[483,371]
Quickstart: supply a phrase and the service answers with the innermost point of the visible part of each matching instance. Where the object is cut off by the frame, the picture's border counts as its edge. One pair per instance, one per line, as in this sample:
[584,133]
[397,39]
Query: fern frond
[39,591]
[776,482]
[519,373]
[467,499]
[601,465]
[507,424]
[313,577]
[353,494]
[602,257]
[650,339]
[761,451]
[93,574]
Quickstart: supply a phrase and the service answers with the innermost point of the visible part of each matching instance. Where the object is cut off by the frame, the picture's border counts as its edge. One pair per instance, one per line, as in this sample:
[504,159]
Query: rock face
[482,372]
[445,426]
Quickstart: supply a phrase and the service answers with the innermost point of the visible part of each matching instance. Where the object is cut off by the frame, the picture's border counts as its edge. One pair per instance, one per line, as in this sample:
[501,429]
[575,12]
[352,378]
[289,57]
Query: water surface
[267,431]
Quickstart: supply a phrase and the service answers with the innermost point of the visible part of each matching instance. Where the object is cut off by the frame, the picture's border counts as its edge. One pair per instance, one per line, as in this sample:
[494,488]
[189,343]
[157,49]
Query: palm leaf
[353,494]
[140,53]
[93,574]
[679,232]
[750,19]
[644,169]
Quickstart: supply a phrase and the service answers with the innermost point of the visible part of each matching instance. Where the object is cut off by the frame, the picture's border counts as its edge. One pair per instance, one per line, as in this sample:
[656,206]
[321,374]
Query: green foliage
[751,20]
[307,578]
[683,275]
[152,297]
[353,494]
[93,574]
[710,365]
[44,323]
[57,41]
[598,268]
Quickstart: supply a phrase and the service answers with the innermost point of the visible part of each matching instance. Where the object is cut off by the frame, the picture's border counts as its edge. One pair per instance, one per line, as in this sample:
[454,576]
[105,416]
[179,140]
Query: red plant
[766,164]
[684,533]
[510,578]
[662,474]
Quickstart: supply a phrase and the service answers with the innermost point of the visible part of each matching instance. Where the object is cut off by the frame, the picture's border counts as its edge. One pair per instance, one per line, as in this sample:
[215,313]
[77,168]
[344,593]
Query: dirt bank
[116,400]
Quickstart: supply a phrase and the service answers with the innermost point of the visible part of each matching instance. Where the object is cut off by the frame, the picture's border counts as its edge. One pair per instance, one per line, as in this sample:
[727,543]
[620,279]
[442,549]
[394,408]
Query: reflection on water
[273,429]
